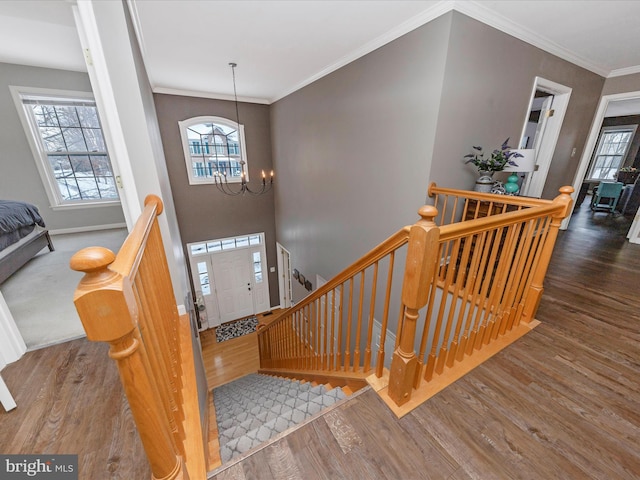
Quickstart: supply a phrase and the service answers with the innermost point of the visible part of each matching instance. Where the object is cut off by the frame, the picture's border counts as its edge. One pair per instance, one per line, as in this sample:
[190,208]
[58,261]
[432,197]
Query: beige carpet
[40,294]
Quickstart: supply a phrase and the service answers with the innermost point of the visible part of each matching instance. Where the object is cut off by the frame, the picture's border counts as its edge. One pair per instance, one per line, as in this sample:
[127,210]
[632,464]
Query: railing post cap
[428,212]
[92,259]
[566,190]
[156,200]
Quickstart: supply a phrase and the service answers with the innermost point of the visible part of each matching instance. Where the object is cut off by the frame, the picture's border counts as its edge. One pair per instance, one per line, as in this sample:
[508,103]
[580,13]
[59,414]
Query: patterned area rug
[236,329]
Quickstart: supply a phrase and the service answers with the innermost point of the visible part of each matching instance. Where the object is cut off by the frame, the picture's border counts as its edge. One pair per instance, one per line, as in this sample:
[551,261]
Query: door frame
[207,253]
[534,183]
[284,277]
[594,133]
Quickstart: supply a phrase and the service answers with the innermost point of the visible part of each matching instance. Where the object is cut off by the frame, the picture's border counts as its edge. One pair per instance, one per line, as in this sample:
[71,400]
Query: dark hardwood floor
[70,401]
[563,402]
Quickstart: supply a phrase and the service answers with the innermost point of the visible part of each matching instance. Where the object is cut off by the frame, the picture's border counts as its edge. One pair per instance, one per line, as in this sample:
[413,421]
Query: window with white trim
[67,140]
[231,243]
[611,152]
[213,147]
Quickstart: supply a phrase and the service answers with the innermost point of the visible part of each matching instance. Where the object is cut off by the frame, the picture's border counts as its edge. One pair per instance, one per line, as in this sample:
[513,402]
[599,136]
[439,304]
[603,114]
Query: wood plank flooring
[228,360]
[560,403]
[70,401]
[231,359]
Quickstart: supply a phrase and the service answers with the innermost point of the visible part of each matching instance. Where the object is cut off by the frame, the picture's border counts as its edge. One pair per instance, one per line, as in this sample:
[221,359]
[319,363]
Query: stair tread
[256,407]
[240,424]
[283,422]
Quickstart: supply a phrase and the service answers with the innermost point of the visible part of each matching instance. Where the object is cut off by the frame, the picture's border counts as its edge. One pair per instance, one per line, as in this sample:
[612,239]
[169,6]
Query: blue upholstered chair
[606,196]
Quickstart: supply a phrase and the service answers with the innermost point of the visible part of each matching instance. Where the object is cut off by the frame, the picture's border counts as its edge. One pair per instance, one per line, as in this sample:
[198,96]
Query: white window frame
[623,157]
[184,124]
[40,155]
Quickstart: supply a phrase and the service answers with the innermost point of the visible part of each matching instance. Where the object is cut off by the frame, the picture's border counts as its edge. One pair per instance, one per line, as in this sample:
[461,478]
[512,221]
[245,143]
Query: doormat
[236,329]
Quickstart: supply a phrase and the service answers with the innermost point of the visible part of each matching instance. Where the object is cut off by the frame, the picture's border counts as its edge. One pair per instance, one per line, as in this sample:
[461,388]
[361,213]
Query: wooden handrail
[391,244]
[130,253]
[469,227]
[313,334]
[127,301]
[474,278]
[434,190]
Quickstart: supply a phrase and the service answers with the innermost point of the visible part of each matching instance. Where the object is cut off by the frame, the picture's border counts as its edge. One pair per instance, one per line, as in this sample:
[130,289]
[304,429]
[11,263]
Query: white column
[634,231]
[12,347]
[125,103]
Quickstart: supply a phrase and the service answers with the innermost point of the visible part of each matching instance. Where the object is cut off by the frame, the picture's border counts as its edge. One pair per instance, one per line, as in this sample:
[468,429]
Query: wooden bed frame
[16,255]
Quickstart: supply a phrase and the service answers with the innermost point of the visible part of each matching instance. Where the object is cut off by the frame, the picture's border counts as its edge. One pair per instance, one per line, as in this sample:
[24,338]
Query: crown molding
[624,71]
[422,18]
[215,96]
[476,10]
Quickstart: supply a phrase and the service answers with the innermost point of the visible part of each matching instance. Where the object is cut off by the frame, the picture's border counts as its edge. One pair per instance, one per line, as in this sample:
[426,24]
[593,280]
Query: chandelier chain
[221,179]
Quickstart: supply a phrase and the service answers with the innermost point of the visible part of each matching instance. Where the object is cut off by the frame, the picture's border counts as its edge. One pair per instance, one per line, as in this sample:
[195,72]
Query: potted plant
[495,162]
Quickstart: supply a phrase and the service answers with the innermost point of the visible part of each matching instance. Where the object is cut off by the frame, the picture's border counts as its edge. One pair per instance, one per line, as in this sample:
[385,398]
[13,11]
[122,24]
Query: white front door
[232,279]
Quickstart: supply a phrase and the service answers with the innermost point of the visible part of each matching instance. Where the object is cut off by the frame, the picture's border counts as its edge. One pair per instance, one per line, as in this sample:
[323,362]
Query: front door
[232,280]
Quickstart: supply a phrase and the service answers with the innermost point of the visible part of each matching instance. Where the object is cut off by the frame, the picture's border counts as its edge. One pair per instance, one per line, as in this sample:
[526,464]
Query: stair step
[347,390]
[267,412]
[238,412]
[254,408]
[284,421]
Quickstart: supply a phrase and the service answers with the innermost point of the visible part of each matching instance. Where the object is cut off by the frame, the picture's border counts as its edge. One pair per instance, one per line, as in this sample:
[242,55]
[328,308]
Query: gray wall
[358,148]
[352,151]
[203,212]
[488,83]
[19,177]
[623,84]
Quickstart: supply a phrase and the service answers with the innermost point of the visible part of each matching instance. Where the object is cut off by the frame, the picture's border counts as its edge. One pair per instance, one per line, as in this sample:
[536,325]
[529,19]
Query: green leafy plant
[497,160]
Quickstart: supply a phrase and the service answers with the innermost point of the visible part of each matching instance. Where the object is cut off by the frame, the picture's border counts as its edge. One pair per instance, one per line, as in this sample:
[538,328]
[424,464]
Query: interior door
[232,276]
[546,133]
[535,142]
[284,276]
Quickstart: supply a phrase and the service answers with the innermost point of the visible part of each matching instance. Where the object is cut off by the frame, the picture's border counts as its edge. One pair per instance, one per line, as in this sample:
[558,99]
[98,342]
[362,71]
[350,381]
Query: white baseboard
[93,228]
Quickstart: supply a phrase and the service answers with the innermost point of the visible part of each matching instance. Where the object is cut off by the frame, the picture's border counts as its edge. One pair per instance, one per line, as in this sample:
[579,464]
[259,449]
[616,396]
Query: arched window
[213,146]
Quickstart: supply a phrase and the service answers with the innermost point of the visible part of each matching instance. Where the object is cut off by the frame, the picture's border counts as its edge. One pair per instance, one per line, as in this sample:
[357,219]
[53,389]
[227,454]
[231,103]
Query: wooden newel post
[419,270]
[115,322]
[534,294]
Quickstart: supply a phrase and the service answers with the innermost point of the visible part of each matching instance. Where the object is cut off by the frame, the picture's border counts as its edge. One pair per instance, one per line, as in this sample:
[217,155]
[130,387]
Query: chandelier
[220,178]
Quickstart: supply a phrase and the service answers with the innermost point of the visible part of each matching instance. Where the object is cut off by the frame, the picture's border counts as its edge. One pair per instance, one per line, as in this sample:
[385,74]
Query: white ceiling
[280,46]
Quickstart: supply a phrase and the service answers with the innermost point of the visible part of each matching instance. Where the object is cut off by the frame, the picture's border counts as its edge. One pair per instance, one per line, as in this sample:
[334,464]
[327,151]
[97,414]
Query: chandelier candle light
[220,179]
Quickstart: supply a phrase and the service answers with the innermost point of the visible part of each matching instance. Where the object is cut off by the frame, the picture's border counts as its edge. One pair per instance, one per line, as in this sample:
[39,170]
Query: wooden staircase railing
[127,301]
[474,268]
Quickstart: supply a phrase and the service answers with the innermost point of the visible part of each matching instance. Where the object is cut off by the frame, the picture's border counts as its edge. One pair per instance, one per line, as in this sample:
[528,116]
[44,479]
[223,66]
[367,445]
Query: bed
[22,235]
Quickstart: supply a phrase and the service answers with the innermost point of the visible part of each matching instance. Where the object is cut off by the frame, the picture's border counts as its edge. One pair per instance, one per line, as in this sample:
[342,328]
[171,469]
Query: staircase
[254,408]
